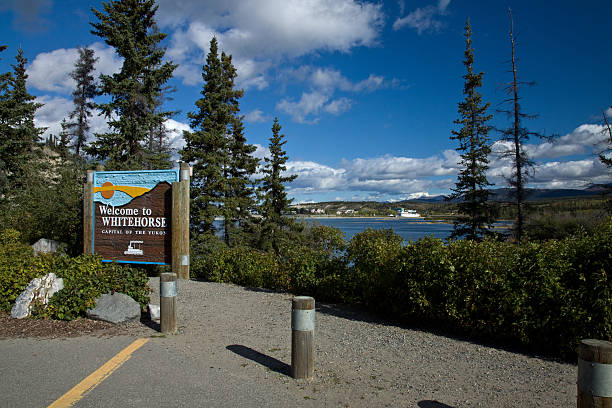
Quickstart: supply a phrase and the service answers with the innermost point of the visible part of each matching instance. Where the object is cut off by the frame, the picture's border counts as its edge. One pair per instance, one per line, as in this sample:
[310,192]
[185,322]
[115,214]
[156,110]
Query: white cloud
[55,109]
[423,19]
[609,112]
[324,83]
[255,116]
[51,113]
[261,152]
[262,33]
[392,177]
[175,131]
[338,106]
[372,83]
[583,139]
[329,80]
[570,174]
[309,103]
[50,71]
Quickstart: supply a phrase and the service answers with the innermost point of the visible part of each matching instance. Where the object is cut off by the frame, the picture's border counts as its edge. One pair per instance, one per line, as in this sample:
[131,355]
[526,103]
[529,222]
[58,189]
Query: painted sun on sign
[107,190]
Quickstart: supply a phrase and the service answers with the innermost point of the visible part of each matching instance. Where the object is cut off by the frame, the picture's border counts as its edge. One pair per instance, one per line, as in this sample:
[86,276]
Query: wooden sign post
[180,223]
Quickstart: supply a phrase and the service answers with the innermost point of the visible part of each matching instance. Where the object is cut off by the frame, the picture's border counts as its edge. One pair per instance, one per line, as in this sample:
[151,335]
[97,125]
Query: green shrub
[422,287]
[17,267]
[86,277]
[372,257]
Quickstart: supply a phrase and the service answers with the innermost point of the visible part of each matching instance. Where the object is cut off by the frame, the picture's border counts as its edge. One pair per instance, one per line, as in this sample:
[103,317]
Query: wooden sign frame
[138,217]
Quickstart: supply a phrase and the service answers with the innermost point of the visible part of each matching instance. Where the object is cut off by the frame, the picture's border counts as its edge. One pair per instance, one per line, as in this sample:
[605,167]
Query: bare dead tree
[517,135]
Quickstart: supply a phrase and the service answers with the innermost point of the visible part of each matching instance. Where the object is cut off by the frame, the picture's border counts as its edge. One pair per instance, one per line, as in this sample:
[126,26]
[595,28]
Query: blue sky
[366,92]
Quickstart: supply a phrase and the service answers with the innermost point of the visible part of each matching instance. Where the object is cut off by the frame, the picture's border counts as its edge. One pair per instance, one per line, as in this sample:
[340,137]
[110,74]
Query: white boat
[408,213]
[134,248]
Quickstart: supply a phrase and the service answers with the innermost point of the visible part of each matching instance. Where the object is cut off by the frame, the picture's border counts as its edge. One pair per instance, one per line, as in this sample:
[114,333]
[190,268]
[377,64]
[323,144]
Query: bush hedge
[544,295]
[85,278]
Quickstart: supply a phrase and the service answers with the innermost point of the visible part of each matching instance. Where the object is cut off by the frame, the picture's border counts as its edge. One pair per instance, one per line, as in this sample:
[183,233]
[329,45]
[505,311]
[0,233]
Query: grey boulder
[115,308]
[45,245]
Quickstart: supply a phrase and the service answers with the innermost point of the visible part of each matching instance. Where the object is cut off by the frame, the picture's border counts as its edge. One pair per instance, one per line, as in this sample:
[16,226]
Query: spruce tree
[239,195]
[275,201]
[129,27]
[474,220]
[205,146]
[217,150]
[243,166]
[82,97]
[21,139]
[5,81]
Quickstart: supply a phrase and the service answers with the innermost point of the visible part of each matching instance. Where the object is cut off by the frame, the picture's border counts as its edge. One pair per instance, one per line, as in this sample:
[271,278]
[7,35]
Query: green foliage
[16,267]
[222,161]
[129,27]
[274,197]
[85,278]
[50,206]
[558,226]
[216,262]
[19,137]
[82,97]
[373,256]
[471,187]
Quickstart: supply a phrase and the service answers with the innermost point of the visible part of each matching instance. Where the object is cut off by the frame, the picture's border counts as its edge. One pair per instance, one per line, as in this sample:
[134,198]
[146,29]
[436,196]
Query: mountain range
[533,194]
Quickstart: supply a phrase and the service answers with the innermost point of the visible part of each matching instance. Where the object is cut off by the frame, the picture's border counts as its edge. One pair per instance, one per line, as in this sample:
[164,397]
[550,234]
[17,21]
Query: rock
[46,245]
[115,308]
[39,290]
[154,313]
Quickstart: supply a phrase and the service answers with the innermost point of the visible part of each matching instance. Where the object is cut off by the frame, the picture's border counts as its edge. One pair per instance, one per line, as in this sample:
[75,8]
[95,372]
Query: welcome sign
[132,215]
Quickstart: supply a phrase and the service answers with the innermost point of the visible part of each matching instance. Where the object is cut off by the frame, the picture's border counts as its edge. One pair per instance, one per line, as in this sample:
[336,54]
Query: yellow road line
[94,379]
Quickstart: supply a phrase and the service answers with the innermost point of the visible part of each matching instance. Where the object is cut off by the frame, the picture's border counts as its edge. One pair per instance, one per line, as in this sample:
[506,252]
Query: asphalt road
[36,373]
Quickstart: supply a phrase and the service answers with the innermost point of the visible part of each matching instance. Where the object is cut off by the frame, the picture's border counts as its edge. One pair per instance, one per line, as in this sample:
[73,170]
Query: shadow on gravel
[432,404]
[266,361]
[150,323]
[345,312]
[359,314]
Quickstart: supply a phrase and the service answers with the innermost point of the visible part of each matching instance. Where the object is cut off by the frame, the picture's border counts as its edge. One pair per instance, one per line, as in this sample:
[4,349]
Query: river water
[409,229]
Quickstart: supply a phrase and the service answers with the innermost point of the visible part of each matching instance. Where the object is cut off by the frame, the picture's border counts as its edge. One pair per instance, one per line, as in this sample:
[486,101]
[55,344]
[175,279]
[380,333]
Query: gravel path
[359,361]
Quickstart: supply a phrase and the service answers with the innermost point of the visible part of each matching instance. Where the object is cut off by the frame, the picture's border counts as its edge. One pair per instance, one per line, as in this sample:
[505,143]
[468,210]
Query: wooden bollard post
[595,374]
[167,302]
[302,337]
